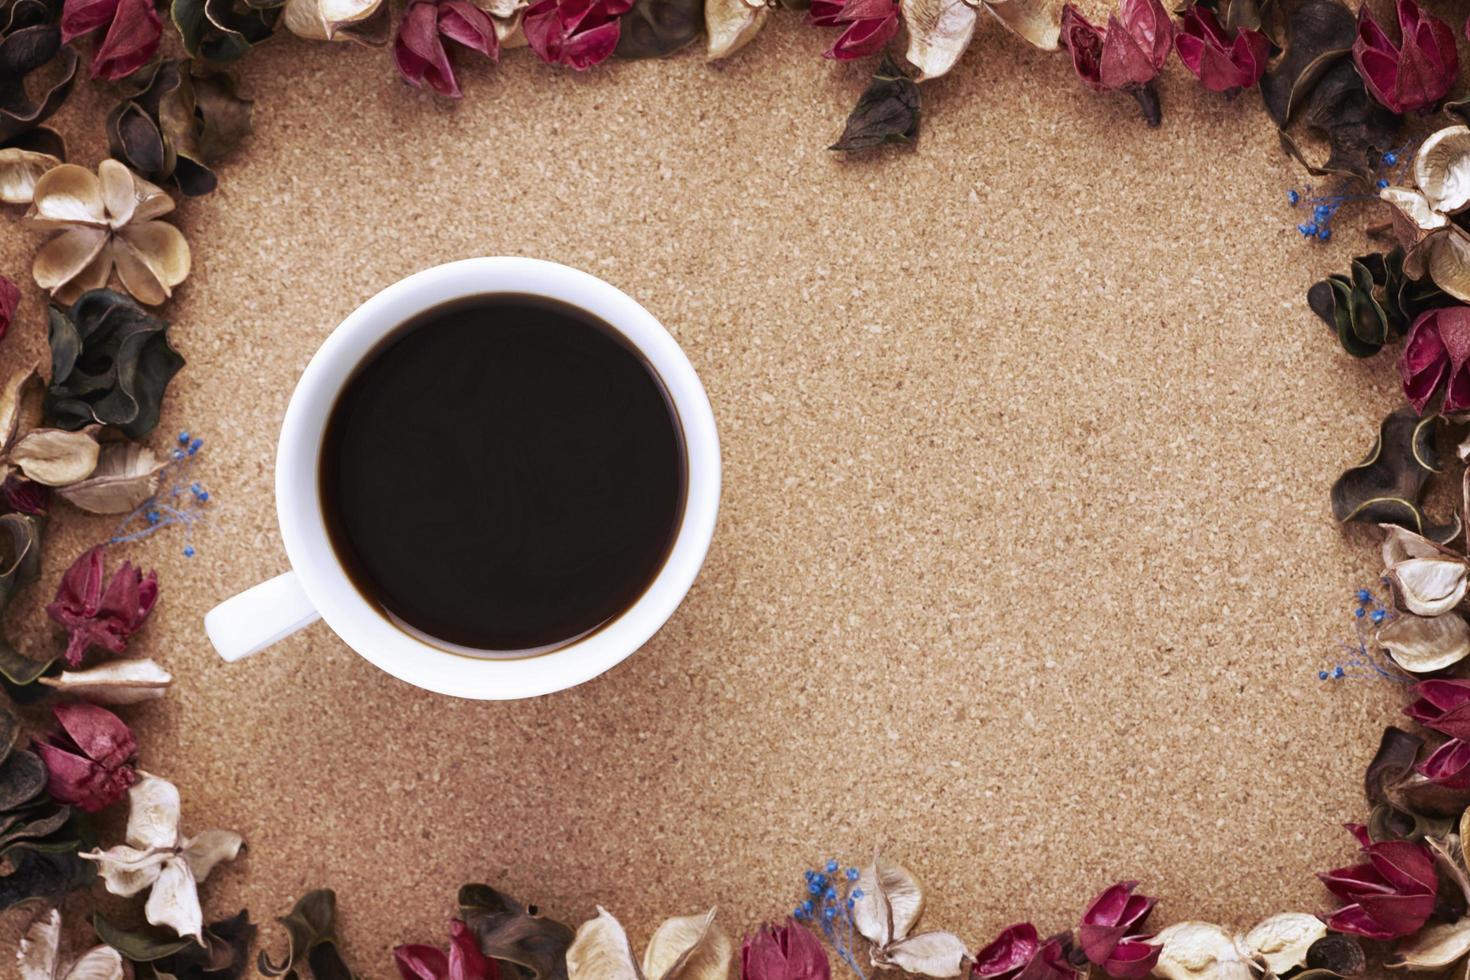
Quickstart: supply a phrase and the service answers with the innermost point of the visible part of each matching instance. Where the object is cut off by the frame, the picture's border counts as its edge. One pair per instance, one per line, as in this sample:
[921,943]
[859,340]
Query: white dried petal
[892,902]
[20,170]
[600,951]
[204,851]
[689,947]
[731,24]
[114,682]
[153,813]
[20,404]
[939,33]
[97,963]
[1421,644]
[1442,168]
[56,457]
[1199,951]
[1435,947]
[126,475]
[128,870]
[1036,21]
[174,901]
[932,954]
[38,949]
[1430,586]
[1281,941]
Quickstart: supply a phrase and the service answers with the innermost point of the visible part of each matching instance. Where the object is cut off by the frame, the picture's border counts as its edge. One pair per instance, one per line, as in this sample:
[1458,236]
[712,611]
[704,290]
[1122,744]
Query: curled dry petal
[1422,644]
[931,954]
[94,616]
[56,457]
[731,24]
[1114,913]
[39,949]
[891,903]
[115,682]
[174,900]
[1443,705]
[20,405]
[1387,896]
[1430,586]
[1414,73]
[1442,169]
[1035,21]
[939,32]
[689,947]
[1019,954]
[785,952]
[324,20]
[1386,486]
[20,169]
[1199,951]
[601,951]
[1434,948]
[1281,941]
[89,761]
[127,474]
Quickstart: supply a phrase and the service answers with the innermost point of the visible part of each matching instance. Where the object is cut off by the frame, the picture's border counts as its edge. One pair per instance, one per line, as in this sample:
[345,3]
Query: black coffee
[503,473]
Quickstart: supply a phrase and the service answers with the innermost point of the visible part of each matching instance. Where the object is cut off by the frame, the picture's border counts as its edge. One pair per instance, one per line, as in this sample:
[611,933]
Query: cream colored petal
[1414,210]
[66,256]
[20,404]
[1422,644]
[174,901]
[502,9]
[118,194]
[153,813]
[209,848]
[94,276]
[114,682]
[939,32]
[931,954]
[56,457]
[892,901]
[600,951]
[1281,941]
[1431,586]
[731,24]
[69,194]
[1199,951]
[1449,263]
[1434,948]
[1442,168]
[162,247]
[1037,21]
[304,19]
[97,963]
[127,870]
[126,475]
[1401,544]
[688,947]
[37,952]
[153,201]
[19,171]
[509,32]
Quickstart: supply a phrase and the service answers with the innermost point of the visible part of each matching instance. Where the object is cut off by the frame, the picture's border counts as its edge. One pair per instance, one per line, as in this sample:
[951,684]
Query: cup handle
[258,617]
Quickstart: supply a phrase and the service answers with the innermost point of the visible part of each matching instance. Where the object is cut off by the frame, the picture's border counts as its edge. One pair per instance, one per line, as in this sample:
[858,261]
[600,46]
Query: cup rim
[363,627]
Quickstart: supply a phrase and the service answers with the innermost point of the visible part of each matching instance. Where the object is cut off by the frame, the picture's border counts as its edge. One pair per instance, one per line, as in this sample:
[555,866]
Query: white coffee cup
[318,587]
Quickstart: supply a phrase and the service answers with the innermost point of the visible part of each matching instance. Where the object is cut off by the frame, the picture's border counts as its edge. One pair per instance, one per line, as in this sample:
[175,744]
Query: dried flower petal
[1199,951]
[575,33]
[1388,896]
[311,931]
[688,947]
[887,112]
[89,761]
[30,40]
[56,457]
[601,951]
[939,32]
[891,902]
[1425,644]
[1443,705]
[127,474]
[1387,485]
[731,24]
[1019,954]
[1281,941]
[19,171]
[94,617]
[115,682]
[1413,74]
[1222,61]
[930,954]
[1435,948]
[1038,22]
[784,952]
[658,28]
[515,933]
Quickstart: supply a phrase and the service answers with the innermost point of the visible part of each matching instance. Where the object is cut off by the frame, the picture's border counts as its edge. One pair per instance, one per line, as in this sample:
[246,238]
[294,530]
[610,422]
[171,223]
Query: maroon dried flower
[1221,63]
[1416,72]
[89,760]
[1109,933]
[133,31]
[93,617]
[1388,896]
[418,48]
[1443,706]
[27,496]
[1128,53]
[1018,954]
[9,300]
[1435,357]
[575,33]
[1448,765]
[870,24]
[788,952]
[464,962]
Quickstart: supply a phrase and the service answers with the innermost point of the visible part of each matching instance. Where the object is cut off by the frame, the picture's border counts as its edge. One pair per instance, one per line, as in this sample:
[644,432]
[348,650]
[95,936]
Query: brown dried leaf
[56,457]
[1422,644]
[126,475]
[939,33]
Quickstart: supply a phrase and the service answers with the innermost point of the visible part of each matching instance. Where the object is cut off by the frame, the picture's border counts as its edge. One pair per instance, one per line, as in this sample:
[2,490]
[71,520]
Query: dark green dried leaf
[1318,34]
[9,729]
[39,829]
[311,940]
[43,874]
[655,28]
[222,30]
[30,40]
[887,111]
[1374,302]
[1358,130]
[1385,488]
[224,955]
[42,139]
[110,362]
[15,668]
[142,945]
[22,778]
[20,553]
[530,946]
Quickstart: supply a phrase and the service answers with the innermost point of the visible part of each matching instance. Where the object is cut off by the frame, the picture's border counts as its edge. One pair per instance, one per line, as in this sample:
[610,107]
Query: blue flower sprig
[1369,612]
[831,896]
[181,502]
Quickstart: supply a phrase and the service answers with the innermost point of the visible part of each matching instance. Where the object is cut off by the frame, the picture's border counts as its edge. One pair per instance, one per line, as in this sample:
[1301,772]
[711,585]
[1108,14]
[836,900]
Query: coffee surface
[503,473]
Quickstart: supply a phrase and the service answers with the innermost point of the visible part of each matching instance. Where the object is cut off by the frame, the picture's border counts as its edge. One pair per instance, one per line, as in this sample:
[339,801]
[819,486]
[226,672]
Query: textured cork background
[1024,570]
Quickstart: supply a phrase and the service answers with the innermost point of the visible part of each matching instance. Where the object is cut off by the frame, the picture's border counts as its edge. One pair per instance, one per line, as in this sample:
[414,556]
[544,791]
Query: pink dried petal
[26,496]
[130,43]
[101,735]
[1131,959]
[1085,44]
[1148,24]
[1406,866]
[466,24]
[1443,705]
[79,17]
[466,962]
[1397,915]
[1425,362]
[863,38]
[421,962]
[1414,73]
[1353,919]
[574,33]
[93,619]
[1115,913]
[89,761]
[1220,63]
[418,53]
[1008,953]
[825,13]
[591,47]
[786,952]
[1049,963]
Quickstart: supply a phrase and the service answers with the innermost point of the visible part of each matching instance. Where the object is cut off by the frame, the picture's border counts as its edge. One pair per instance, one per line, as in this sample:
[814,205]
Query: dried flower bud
[868,25]
[1128,53]
[1443,705]
[785,952]
[1019,954]
[1221,62]
[574,33]
[94,617]
[464,962]
[89,760]
[418,48]
[1448,765]
[1416,72]
[1435,358]
[1109,935]
[1388,896]
[131,40]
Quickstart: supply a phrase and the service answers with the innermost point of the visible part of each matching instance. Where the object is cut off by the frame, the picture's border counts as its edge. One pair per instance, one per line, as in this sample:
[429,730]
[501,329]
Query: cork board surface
[1023,571]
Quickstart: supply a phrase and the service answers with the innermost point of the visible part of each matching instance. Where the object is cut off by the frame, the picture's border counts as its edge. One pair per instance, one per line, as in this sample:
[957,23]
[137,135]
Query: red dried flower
[788,952]
[464,962]
[1389,896]
[1443,706]
[870,24]
[133,31]
[1222,64]
[27,496]
[1416,72]
[1109,934]
[418,48]
[1018,954]
[1128,53]
[89,760]
[1448,765]
[1435,357]
[93,617]
[9,300]
[575,33]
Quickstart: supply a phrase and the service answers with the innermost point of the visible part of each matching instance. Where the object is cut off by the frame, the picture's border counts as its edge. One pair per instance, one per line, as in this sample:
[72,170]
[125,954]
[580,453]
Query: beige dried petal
[205,850]
[1199,951]
[1281,941]
[68,256]
[37,952]
[153,813]
[128,870]
[932,954]
[1411,213]
[1434,948]
[20,404]
[688,947]
[152,258]
[892,902]
[731,24]
[19,171]
[1401,544]
[939,32]
[56,457]
[1448,262]
[68,195]
[1430,586]
[1422,644]
[117,192]
[97,963]
[114,682]
[126,475]
[174,901]
[94,276]
[1442,168]
[1037,21]
[600,951]
[320,20]
[502,9]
